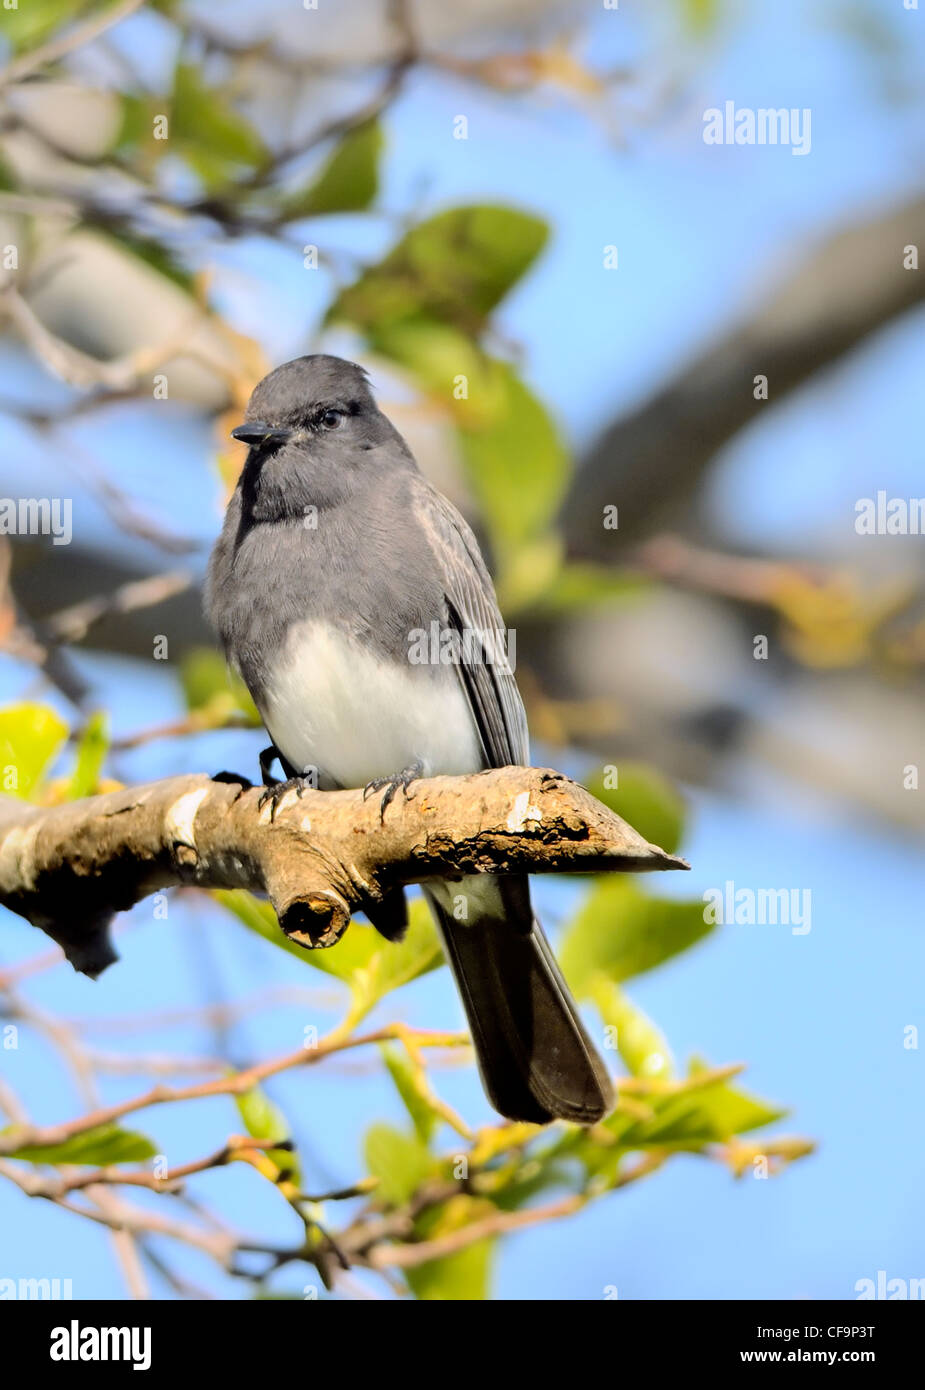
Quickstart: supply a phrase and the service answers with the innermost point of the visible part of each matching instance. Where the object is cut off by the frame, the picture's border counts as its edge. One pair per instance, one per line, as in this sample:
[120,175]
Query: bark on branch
[68,869]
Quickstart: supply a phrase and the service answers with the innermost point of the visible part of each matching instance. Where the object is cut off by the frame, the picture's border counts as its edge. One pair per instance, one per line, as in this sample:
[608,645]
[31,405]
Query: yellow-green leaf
[454,267]
[91,754]
[639,1042]
[207,131]
[97,1147]
[400,1162]
[30,737]
[348,182]
[621,930]
[408,1084]
[461,1277]
[643,797]
[211,689]
[395,964]
[264,1120]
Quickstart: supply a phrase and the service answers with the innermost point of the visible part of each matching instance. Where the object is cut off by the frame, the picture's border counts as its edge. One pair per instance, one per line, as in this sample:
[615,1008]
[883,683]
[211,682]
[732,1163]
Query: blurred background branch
[658,376]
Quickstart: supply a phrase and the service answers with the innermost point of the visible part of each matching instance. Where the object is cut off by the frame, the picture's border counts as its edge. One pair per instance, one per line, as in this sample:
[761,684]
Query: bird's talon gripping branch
[275,794]
[391,784]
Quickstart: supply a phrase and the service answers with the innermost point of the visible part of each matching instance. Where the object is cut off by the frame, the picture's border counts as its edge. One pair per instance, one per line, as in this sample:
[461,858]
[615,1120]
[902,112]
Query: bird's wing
[473,610]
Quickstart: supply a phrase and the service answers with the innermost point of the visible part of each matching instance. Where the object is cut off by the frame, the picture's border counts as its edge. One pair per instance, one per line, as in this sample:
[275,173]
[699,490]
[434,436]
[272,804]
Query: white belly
[336,707]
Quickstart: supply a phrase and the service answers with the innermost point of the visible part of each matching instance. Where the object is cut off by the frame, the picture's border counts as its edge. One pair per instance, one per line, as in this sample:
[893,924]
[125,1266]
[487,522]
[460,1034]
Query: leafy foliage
[30,737]
[98,1147]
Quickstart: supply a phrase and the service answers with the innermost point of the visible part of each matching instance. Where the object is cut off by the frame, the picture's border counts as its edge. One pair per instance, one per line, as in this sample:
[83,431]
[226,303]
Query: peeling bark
[69,869]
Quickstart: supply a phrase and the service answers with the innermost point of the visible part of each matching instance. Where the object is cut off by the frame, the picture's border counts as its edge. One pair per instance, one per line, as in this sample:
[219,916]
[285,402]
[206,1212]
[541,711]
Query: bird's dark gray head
[310,401]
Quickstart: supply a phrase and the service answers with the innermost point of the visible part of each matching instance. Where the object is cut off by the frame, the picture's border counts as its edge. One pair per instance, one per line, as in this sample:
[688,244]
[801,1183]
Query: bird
[335,554]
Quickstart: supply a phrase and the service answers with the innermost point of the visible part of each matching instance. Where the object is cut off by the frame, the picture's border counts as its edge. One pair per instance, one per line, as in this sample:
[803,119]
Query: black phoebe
[337,567]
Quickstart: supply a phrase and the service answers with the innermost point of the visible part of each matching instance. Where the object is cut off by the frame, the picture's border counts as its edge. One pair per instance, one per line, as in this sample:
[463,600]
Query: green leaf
[407,1083]
[621,931]
[206,130]
[454,268]
[211,689]
[348,182]
[264,1120]
[29,24]
[729,1109]
[698,1112]
[97,1147]
[30,737]
[643,797]
[700,16]
[515,460]
[400,1162]
[355,949]
[640,1043]
[362,958]
[581,585]
[464,1276]
[91,754]
[392,965]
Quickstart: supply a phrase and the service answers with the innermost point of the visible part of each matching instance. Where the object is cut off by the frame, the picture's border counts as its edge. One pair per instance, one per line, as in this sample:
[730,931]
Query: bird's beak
[257,432]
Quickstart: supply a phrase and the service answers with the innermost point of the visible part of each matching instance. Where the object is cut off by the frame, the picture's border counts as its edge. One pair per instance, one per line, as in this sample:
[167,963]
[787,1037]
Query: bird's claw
[234,779]
[391,784]
[275,794]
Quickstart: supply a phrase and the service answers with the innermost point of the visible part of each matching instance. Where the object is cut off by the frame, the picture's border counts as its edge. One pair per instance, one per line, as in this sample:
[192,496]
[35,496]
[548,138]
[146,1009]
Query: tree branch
[651,461]
[68,869]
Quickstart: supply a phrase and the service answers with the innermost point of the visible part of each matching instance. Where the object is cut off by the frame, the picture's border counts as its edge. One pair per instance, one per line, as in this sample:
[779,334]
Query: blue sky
[819,1019]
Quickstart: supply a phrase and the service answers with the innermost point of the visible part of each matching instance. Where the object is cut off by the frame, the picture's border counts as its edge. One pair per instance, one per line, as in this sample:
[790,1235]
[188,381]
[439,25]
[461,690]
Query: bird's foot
[275,794]
[234,778]
[391,784]
[266,765]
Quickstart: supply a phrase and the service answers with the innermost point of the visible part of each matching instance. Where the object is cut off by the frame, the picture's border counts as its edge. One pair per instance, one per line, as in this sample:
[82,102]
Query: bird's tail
[536,1060]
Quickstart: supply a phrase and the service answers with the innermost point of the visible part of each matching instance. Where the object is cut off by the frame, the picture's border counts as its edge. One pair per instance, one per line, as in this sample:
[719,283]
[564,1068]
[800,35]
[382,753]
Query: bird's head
[320,405]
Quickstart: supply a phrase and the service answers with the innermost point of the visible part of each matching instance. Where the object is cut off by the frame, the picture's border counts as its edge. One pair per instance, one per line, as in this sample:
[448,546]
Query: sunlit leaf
[27,24]
[641,1044]
[355,949]
[211,688]
[99,1147]
[729,1109]
[362,958]
[400,1161]
[455,267]
[207,131]
[700,16]
[516,463]
[643,797]
[578,586]
[408,1083]
[348,182]
[621,930]
[30,737]
[515,460]
[461,1277]
[395,964]
[91,754]
[263,1119]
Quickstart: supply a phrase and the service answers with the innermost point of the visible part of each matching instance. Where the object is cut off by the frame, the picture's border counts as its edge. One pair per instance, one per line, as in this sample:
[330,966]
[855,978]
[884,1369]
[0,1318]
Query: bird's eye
[331,419]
